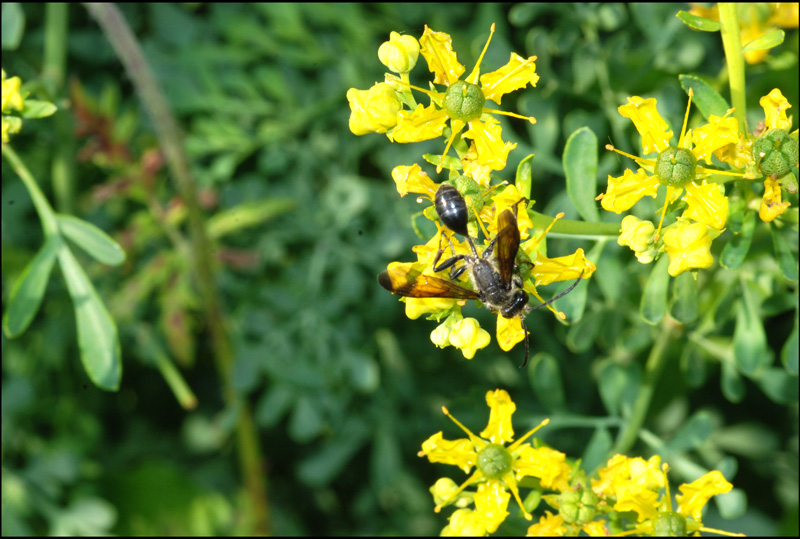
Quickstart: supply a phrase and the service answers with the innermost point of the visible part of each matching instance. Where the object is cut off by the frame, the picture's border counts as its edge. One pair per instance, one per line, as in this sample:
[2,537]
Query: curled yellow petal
[491,149]
[625,191]
[374,110]
[509,332]
[423,123]
[688,246]
[716,134]
[655,132]
[499,429]
[706,204]
[437,49]
[516,74]
[412,179]
[695,495]
[775,105]
[771,205]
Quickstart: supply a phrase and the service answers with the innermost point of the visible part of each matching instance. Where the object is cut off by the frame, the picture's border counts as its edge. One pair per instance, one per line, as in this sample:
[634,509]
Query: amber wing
[409,282]
[506,245]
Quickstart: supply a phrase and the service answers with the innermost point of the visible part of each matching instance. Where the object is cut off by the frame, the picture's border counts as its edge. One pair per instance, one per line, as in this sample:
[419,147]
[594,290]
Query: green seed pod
[669,524]
[775,152]
[675,167]
[494,461]
[464,101]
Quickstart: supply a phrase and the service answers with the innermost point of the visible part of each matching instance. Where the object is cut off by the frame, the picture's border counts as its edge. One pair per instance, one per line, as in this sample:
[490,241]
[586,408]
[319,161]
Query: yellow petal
[437,49]
[459,452]
[688,246]
[651,126]
[412,179]
[716,134]
[516,74]
[706,204]
[545,463]
[374,110]
[564,268]
[771,205]
[696,494]
[492,151]
[775,106]
[549,525]
[509,332]
[491,502]
[637,498]
[625,191]
[423,123]
[499,429]
[400,53]
[469,337]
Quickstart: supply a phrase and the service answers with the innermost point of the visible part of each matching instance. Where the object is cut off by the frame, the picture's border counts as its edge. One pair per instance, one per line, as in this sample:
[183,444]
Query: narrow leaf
[749,339]
[91,239]
[580,167]
[698,23]
[26,296]
[769,40]
[685,299]
[97,332]
[247,215]
[545,378]
[524,178]
[736,250]
[654,299]
[705,97]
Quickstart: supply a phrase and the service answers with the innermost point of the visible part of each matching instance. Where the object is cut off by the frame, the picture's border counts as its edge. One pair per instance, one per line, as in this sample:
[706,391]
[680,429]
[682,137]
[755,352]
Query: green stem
[652,375]
[43,207]
[170,137]
[566,227]
[732,43]
[54,62]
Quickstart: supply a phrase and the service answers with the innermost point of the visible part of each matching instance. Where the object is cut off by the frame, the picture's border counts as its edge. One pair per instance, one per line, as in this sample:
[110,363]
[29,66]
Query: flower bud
[400,53]
[639,236]
[374,110]
[688,246]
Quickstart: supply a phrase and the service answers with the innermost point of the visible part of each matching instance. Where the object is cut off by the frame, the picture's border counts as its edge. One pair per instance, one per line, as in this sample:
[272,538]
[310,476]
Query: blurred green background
[343,387]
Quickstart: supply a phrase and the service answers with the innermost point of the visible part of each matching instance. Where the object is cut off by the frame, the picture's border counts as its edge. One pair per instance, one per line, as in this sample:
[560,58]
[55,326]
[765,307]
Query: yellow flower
[498,466]
[675,166]
[400,53]
[463,101]
[771,205]
[775,105]
[755,20]
[12,97]
[688,246]
[656,516]
[374,110]
[468,336]
[639,236]
[412,179]
[549,525]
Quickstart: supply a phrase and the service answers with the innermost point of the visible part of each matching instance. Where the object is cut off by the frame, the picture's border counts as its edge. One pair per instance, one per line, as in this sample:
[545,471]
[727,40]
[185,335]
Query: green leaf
[618,385]
[597,450]
[91,239]
[790,355]
[28,291]
[707,99]
[732,385]
[544,375]
[654,298]
[35,109]
[783,253]
[580,167]
[524,178]
[749,341]
[736,249]
[692,433]
[684,298]
[97,332]
[698,23]
[777,384]
[247,215]
[771,39]
[13,25]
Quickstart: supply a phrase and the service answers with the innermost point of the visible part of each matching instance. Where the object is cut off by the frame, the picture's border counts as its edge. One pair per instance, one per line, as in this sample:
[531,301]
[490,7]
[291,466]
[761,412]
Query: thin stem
[43,207]
[574,228]
[170,137]
[652,375]
[732,43]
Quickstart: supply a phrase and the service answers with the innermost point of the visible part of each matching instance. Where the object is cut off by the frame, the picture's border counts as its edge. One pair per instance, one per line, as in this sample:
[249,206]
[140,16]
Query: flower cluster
[497,467]
[676,169]
[17,106]
[458,114]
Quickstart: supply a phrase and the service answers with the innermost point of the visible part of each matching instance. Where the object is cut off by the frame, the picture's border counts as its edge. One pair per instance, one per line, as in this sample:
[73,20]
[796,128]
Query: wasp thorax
[464,101]
[775,152]
[675,167]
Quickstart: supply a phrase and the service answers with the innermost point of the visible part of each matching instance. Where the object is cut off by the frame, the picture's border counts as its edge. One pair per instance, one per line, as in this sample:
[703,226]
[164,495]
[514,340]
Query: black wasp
[494,274]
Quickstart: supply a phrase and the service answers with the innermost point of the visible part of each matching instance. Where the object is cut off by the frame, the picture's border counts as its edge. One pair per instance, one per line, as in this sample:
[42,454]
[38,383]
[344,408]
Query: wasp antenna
[527,344]
[562,294]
